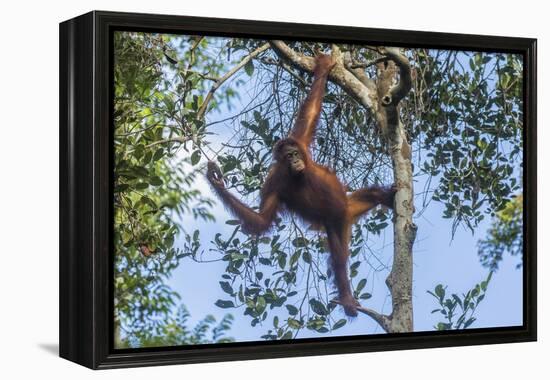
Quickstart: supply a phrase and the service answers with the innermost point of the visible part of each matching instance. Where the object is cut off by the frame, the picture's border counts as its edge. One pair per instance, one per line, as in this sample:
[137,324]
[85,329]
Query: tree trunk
[399,280]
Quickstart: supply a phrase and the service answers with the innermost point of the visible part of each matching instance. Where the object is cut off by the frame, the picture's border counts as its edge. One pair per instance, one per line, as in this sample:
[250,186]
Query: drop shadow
[52,348]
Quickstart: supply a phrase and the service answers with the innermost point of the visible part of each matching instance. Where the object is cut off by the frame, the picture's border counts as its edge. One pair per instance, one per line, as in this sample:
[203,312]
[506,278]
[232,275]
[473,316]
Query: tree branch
[359,73]
[225,77]
[299,61]
[203,76]
[338,75]
[399,91]
[181,140]
[364,65]
[381,319]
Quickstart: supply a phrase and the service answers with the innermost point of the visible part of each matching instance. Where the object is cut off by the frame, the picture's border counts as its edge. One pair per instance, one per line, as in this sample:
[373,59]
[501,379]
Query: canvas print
[270,190]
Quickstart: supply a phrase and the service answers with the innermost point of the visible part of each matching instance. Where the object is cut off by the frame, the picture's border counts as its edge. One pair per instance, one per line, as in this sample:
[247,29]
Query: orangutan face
[294,159]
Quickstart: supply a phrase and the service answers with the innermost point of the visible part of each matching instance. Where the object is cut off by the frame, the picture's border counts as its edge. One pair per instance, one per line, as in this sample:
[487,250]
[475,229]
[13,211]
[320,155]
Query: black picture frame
[86,172]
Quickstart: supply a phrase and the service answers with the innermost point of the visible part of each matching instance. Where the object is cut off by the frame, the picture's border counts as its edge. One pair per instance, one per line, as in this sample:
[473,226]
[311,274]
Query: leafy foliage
[459,310]
[471,128]
[153,187]
[505,235]
[174,332]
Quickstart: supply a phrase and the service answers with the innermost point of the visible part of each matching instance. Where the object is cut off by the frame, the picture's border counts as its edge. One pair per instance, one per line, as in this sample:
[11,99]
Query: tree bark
[400,278]
[382,98]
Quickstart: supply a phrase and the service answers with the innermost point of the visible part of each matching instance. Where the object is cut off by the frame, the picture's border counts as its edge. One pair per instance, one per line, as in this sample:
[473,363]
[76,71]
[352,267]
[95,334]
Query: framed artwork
[235,189]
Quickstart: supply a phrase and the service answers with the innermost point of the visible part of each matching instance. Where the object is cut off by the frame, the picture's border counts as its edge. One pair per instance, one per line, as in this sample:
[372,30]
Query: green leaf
[155,181]
[293,323]
[249,68]
[265,240]
[440,291]
[229,165]
[169,241]
[146,158]
[278,302]
[226,287]
[443,326]
[299,242]
[294,258]
[148,201]
[469,322]
[138,152]
[339,324]
[281,260]
[361,285]
[265,261]
[140,171]
[307,257]
[122,187]
[457,299]
[292,310]
[158,154]
[484,285]
[288,335]
[224,304]
[195,157]
[480,298]
[260,304]
[318,307]
[141,186]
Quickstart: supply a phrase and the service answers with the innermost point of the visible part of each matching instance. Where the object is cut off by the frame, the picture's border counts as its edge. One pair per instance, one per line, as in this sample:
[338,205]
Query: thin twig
[364,65]
[180,139]
[381,319]
[229,74]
